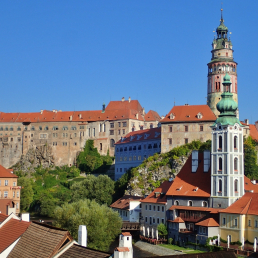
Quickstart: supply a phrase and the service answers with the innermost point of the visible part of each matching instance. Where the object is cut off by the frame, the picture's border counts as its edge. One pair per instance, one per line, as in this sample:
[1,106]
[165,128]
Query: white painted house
[129,207]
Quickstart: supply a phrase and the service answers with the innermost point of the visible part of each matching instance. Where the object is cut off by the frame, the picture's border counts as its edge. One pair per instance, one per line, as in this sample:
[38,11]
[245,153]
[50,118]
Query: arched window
[235,142]
[235,164]
[204,204]
[177,203]
[112,143]
[190,203]
[220,163]
[220,185]
[236,185]
[220,142]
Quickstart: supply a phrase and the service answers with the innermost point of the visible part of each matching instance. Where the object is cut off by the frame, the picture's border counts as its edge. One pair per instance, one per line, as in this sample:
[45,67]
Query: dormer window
[199,115]
[139,137]
[172,116]
[146,136]
[157,134]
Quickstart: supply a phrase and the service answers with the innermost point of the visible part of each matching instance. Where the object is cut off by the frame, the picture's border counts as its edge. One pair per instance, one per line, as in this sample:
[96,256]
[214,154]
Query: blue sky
[75,55]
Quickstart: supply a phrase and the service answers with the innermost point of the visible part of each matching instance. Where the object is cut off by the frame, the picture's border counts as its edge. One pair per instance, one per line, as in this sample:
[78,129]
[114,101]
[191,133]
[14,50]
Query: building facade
[132,149]
[9,192]
[65,133]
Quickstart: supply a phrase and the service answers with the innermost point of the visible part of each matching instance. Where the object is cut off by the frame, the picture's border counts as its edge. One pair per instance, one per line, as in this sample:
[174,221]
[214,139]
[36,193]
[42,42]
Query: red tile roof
[161,198]
[5,173]
[249,186]
[126,234]
[124,202]
[186,182]
[253,132]
[137,136]
[247,204]
[3,217]
[178,220]
[210,222]
[152,116]
[122,249]
[189,114]
[11,231]
[133,104]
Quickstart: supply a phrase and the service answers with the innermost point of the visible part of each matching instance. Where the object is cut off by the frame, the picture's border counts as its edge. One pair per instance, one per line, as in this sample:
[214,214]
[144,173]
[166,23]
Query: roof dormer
[172,116]
[199,115]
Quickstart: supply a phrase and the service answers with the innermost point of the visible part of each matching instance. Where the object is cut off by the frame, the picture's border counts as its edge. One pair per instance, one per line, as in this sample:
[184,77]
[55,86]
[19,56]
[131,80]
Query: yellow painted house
[240,220]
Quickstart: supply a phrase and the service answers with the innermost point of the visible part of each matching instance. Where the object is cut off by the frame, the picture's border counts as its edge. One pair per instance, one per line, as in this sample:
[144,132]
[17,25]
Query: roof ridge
[249,202]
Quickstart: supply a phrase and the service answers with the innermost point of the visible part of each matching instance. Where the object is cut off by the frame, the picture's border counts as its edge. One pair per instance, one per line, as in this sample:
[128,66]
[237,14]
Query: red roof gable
[210,222]
[178,220]
[5,173]
[133,104]
[152,116]
[153,133]
[187,182]
[189,114]
[161,198]
[11,231]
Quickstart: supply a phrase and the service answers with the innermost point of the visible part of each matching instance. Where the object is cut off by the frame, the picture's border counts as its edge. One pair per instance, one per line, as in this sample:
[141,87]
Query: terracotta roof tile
[178,220]
[124,202]
[161,194]
[3,217]
[249,186]
[5,173]
[253,132]
[133,104]
[247,204]
[40,240]
[136,136]
[152,116]
[186,182]
[122,249]
[126,234]
[210,222]
[11,231]
[83,252]
[189,114]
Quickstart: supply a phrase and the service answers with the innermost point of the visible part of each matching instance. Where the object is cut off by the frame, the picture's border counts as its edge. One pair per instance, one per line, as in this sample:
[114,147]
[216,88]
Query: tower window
[220,163]
[235,164]
[220,185]
[235,142]
[220,142]
[236,185]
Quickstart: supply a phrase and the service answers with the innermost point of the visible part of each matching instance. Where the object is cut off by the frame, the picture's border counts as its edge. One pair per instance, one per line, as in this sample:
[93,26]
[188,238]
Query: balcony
[191,217]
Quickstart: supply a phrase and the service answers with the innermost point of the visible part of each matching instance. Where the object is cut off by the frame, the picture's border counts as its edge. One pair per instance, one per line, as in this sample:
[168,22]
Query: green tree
[47,203]
[26,193]
[162,229]
[103,224]
[99,188]
[250,158]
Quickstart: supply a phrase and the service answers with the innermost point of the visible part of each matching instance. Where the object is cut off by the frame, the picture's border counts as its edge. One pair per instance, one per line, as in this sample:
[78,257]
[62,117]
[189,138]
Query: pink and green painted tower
[222,61]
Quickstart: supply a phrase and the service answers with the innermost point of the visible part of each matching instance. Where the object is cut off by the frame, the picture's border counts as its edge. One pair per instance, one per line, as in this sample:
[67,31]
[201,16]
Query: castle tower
[222,56]
[227,157]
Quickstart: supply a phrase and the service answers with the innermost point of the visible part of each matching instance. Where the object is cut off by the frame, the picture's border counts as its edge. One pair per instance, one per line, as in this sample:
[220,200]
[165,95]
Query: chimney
[123,99]
[253,182]
[194,160]
[143,111]
[247,121]
[103,108]
[162,117]
[256,125]
[25,217]
[41,111]
[129,100]
[70,118]
[82,235]
[80,116]
[137,116]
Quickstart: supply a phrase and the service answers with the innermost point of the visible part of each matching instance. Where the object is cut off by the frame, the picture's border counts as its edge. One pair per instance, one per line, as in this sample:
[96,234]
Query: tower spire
[221,20]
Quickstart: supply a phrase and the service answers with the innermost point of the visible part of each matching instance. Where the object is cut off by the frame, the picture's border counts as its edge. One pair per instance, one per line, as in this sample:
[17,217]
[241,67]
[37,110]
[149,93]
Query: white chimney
[129,100]
[253,182]
[25,217]
[82,235]
[247,121]
[41,111]
[137,116]
[70,118]
[123,99]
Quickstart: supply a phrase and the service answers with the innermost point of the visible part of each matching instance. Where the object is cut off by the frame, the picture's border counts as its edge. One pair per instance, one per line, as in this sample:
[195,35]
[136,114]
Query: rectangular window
[256,224]
[64,143]
[146,207]
[111,132]
[186,128]
[146,219]
[123,131]
[5,182]
[119,132]
[14,183]
[224,221]
[170,129]
[163,209]
[249,223]
[5,194]
[157,208]
[111,125]
[13,193]
[162,221]
[157,220]
[154,207]
[201,128]
[43,136]
[119,124]
[81,126]
[170,141]
[235,223]
[17,205]
[124,124]
[150,207]
[186,140]
[153,220]
[18,194]
[150,220]
[54,143]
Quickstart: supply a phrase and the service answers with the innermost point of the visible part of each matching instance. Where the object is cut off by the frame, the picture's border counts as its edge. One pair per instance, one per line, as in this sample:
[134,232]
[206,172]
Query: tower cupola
[222,30]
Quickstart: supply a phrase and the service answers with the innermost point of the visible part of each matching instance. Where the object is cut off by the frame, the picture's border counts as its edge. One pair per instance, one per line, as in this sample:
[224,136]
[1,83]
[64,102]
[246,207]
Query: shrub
[170,240]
